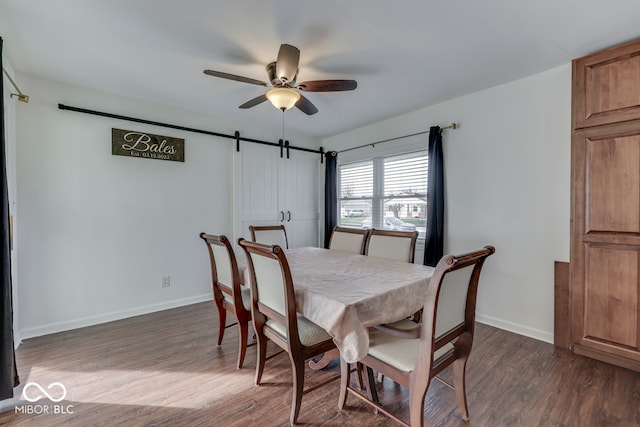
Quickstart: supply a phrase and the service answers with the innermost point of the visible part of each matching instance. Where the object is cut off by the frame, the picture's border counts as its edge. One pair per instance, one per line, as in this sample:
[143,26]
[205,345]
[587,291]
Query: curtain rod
[235,136]
[21,96]
[451,126]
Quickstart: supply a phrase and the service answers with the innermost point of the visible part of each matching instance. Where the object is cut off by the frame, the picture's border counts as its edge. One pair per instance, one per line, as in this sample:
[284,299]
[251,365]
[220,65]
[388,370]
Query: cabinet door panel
[611,295]
[605,266]
[613,180]
[606,88]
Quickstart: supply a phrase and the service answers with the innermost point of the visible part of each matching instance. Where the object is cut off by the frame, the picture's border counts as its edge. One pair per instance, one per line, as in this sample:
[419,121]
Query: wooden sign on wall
[146,145]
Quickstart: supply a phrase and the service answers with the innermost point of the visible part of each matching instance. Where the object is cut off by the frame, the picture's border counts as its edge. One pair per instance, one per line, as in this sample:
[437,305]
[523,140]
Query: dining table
[346,293]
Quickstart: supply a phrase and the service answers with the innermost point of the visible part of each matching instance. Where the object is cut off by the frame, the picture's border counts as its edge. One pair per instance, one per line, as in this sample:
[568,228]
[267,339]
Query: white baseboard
[53,328]
[17,339]
[516,328]
[7,405]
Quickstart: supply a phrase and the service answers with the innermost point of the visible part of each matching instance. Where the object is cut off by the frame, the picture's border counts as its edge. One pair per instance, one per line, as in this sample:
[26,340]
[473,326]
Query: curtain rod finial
[454,125]
[21,97]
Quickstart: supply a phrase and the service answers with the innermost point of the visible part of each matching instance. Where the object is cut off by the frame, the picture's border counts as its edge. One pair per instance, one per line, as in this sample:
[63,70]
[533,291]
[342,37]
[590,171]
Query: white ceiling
[404,54]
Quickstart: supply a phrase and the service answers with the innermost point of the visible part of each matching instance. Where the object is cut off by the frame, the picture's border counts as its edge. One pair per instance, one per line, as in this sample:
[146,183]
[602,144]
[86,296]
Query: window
[385,192]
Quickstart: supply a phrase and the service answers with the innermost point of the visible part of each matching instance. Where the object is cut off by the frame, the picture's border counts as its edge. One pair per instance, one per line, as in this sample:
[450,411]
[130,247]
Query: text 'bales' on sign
[139,144]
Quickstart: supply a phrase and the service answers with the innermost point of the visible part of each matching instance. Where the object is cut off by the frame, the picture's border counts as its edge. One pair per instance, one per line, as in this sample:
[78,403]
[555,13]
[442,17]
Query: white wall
[507,172]
[98,231]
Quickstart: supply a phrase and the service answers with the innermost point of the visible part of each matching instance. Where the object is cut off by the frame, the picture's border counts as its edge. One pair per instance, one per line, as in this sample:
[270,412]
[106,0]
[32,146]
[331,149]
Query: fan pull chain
[283,125]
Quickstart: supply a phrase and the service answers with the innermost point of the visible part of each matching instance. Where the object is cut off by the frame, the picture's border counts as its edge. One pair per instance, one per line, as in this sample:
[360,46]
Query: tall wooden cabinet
[605,207]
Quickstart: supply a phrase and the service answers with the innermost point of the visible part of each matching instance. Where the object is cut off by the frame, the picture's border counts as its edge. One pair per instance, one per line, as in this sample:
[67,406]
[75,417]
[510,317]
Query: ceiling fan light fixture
[283,98]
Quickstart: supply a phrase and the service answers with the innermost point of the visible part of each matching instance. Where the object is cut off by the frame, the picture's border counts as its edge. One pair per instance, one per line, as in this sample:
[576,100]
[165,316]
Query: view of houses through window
[385,193]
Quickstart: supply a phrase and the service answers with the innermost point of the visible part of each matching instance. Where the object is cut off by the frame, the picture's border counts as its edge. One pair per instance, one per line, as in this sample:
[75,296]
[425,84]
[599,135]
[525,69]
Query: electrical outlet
[166,281]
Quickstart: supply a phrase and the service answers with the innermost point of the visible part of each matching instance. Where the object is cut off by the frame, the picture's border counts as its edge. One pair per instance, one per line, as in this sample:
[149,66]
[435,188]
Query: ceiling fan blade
[287,63]
[328,85]
[306,106]
[255,101]
[234,77]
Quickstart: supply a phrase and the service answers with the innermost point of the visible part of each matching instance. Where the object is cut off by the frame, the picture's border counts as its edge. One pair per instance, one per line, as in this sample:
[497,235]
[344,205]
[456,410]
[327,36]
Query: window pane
[405,192]
[356,192]
[356,180]
[405,176]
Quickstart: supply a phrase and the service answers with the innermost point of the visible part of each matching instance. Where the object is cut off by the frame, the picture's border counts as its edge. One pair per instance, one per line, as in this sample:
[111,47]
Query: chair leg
[417,394]
[370,383]
[261,345]
[344,382]
[416,413]
[459,383]
[359,382]
[297,365]
[243,328]
[222,316]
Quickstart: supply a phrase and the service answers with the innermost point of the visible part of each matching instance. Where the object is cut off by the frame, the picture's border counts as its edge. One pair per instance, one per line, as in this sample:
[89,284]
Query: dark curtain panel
[330,195]
[434,241]
[9,373]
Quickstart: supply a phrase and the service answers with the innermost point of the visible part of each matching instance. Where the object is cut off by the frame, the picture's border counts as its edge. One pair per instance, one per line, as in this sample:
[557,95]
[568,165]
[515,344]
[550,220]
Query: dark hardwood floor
[165,369]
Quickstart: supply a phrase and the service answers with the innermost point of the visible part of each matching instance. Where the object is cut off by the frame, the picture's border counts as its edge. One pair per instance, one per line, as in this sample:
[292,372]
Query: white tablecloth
[345,293]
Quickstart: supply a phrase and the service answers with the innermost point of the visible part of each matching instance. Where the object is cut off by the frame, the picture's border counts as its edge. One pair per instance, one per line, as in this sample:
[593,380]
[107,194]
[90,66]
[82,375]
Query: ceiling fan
[282,77]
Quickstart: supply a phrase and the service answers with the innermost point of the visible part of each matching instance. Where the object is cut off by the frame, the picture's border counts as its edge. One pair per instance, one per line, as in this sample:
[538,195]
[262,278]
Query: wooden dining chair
[347,239]
[413,354]
[270,235]
[228,294]
[275,316]
[392,244]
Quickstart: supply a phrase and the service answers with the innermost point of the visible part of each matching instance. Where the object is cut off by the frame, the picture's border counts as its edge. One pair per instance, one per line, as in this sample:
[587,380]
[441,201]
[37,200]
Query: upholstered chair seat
[401,353]
[310,334]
